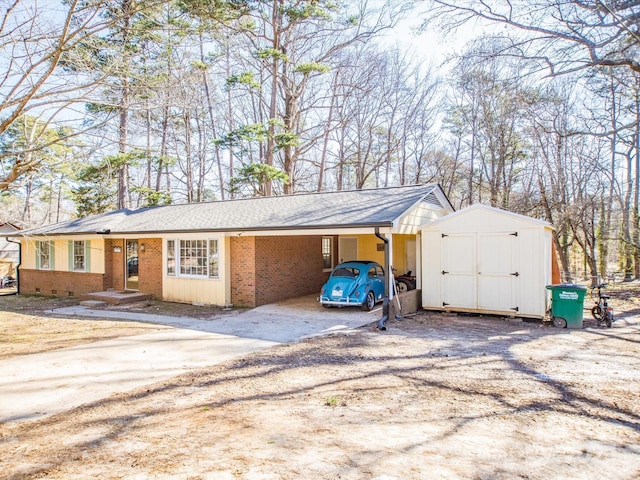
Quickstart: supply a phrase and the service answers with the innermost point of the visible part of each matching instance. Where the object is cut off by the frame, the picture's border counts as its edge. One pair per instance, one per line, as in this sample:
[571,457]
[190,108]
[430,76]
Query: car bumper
[342,302]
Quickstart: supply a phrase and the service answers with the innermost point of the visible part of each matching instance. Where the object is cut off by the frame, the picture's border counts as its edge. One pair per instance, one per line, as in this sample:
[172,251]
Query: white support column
[392,289]
[418,273]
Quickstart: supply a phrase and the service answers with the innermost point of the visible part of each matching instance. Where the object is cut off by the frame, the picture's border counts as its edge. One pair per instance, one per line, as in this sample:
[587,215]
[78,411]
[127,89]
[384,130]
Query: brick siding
[150,267]
[61,284]
[243,271]
[114,264]
[268,269]
[55,282]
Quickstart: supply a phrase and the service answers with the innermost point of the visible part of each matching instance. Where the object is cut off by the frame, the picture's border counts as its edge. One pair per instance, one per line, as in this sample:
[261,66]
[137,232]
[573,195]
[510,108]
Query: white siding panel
[189,290]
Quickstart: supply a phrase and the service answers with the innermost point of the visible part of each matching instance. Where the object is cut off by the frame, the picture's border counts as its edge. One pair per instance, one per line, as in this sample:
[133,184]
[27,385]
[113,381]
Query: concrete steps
[115,297]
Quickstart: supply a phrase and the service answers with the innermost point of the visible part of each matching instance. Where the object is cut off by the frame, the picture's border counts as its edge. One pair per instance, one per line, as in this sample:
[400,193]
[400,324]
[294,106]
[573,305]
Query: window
[213,259]
[171,258]
[78,256]
[44,255]
[375,272]
[193,258]
[327,253]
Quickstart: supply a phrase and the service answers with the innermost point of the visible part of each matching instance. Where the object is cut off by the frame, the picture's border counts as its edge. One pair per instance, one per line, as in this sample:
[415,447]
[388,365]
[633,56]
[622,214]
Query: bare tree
[34,45]
[563,36]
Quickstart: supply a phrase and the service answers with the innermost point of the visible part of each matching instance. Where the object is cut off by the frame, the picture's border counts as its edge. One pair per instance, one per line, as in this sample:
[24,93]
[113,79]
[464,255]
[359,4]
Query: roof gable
[485,217]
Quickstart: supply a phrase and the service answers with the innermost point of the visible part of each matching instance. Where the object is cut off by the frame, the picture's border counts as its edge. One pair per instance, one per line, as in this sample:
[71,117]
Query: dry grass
[28,325]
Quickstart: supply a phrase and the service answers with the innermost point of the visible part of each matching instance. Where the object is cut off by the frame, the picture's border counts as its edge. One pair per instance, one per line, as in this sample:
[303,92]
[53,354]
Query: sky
[432,45]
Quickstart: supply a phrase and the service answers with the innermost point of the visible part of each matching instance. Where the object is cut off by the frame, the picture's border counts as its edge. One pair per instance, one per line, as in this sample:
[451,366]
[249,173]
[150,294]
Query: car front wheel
[370,302]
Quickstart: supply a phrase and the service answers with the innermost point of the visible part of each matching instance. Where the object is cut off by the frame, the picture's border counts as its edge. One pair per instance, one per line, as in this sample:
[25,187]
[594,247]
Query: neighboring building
[9,251]
[244,252]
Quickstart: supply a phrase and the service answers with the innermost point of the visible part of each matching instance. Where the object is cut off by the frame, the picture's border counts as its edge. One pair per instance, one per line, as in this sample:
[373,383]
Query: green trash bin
[567,305]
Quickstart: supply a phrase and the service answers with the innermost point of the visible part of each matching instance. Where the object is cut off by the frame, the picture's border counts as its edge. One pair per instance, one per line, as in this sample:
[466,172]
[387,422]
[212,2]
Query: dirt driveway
[435,396]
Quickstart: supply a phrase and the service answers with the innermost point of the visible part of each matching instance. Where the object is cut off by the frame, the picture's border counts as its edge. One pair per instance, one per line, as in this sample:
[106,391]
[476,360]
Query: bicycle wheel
[597,313]
[609,320]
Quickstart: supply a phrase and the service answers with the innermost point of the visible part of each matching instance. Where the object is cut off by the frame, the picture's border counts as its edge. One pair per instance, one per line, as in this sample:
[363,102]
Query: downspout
[385,300]
[17,266]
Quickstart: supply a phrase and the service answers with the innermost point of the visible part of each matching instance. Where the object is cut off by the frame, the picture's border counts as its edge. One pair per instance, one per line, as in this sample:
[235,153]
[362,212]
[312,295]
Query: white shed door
[497,276]
[459,271]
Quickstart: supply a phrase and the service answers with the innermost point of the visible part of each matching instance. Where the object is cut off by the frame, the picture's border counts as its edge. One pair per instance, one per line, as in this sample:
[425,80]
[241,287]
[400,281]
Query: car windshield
[349,272]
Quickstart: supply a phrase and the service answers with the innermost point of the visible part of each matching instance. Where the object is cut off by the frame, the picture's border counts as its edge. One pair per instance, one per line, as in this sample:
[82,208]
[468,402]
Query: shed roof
[358,208]
[473,209]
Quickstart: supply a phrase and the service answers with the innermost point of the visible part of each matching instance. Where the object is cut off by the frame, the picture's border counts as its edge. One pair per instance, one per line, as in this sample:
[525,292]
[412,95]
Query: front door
[131,266]
[348,249]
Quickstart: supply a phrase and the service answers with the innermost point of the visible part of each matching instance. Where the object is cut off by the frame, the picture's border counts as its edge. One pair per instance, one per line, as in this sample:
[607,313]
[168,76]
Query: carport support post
[387,269]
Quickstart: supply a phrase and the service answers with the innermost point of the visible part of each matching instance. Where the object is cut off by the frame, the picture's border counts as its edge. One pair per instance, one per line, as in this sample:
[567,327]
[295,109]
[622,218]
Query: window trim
[85,255]
[173,257]
[177,259]
[328,255]
[50,246]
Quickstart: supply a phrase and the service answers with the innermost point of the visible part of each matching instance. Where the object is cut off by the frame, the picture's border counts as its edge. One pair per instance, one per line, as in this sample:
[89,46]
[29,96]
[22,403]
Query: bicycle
[602,312]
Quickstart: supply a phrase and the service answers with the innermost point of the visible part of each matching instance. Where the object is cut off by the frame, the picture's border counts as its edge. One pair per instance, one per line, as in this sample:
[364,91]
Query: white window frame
[328,254]
[39,249]
[82,246]
[171,270]
[213,258]
[206,259]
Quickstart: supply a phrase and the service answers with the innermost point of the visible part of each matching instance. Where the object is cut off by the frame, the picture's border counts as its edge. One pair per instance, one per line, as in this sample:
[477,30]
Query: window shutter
[38,248]
[52,254]
[87,255]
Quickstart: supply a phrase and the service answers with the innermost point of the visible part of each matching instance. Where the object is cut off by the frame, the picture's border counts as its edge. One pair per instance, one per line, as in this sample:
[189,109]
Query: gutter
[114,233]
[18,266]
[387,268]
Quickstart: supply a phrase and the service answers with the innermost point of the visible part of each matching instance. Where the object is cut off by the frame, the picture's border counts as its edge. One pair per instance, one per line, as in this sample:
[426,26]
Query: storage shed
[486,260]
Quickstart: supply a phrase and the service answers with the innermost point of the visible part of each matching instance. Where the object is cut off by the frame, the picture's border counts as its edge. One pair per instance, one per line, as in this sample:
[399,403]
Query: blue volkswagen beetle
[356,283]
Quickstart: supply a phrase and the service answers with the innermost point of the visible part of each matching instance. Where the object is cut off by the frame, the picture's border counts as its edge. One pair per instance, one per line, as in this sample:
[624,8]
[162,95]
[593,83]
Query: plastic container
[567,305]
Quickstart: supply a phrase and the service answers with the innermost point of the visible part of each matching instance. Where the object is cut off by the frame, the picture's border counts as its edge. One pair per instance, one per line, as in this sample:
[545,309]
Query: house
[487,260]
[244,252]
[9,250]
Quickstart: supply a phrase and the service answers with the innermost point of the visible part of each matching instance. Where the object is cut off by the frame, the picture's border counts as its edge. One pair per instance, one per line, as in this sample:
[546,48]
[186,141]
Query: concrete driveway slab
[285,321]
[47,383]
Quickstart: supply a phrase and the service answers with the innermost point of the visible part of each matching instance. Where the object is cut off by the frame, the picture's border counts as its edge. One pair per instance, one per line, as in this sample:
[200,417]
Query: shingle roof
[357,208]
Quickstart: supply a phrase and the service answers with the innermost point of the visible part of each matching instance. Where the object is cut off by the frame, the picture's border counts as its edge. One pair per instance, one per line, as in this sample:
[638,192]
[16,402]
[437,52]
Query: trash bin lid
[566,286]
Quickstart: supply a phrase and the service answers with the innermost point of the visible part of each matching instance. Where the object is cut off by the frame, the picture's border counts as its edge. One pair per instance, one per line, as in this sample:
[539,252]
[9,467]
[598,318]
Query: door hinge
[443,272]
[516,274]
[444,235]
[514,234]
[444,304]
[516,309]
